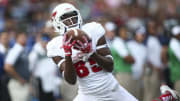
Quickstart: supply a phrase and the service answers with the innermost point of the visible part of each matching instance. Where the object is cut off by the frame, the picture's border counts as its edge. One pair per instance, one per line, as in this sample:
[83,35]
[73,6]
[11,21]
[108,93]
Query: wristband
[109,56]
[101,46]
[68,54]
[60,62]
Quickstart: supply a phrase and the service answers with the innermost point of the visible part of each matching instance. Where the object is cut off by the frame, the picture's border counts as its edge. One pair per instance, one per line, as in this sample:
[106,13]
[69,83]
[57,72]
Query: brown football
[77,34]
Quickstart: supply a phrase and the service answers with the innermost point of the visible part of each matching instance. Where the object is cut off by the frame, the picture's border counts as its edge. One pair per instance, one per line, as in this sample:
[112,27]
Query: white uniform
[154,50]
[95,84]
[139,53]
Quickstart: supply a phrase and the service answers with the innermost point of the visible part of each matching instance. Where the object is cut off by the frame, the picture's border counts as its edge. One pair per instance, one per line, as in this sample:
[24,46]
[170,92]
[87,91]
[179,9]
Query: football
[77,34]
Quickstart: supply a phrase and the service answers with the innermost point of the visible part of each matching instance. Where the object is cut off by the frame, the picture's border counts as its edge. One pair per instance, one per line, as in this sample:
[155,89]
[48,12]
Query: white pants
[118,94]
[68,92]
[17,91]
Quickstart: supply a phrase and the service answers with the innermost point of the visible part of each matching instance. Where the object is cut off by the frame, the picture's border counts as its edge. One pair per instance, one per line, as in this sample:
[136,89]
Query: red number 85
[82,70]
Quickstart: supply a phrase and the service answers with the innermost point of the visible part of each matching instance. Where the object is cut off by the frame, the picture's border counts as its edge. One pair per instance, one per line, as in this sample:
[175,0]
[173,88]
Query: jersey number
[82,70]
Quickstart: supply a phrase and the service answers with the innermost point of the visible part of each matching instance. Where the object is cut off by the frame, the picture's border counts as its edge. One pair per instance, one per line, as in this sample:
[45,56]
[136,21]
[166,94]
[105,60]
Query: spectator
[110,32]
[165,39]
[44,70]
[4,45]
[174,57]
[154,48]
[139,53]
[4,78]
[16,65]
[122,59]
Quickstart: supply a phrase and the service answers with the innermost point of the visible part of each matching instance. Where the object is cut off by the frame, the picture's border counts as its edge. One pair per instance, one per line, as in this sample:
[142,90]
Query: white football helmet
[65,17]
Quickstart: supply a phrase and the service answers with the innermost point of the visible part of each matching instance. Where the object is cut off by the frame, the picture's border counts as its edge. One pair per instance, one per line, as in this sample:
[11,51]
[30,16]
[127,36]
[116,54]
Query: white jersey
[139,53]
[154,50]
[92,78]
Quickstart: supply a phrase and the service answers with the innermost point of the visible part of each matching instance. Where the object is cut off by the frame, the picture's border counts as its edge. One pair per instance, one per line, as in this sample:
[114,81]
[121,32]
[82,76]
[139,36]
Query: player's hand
[85,47]
[164,89]
[67,45]
[166,97]
[169,93]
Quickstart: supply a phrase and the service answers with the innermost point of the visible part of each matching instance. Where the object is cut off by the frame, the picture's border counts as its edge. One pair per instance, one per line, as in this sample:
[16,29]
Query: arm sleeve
[54,48]
[120,47]
[95,31]
[13,55]
[100,32]
[175,46]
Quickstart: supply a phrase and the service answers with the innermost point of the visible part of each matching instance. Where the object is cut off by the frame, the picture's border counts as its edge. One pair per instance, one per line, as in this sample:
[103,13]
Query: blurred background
[144,36]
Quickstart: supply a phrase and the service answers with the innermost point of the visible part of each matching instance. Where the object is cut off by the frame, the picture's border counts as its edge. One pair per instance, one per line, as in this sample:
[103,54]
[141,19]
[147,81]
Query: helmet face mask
[65,17]
[70,19]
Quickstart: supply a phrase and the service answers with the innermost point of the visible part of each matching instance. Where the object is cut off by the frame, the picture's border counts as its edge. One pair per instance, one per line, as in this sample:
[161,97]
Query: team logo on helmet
[65,17]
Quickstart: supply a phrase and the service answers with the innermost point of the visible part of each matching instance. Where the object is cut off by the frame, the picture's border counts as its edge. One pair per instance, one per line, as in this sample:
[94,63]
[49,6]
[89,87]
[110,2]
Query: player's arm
[66,67]
[103,55]
[65,63]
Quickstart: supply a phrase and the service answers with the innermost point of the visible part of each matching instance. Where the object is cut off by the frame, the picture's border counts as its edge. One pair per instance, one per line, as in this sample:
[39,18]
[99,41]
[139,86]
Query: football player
[88,62]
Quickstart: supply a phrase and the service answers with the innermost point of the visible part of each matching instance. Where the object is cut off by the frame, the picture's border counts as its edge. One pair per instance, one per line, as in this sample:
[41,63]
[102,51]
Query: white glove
[165,88]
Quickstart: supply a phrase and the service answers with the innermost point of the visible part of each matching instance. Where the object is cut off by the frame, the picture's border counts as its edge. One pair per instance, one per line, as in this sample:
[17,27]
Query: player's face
[70,19]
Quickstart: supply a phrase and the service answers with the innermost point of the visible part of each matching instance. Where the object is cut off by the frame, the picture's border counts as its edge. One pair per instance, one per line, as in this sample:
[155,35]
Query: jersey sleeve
[54,47]
[95,31]
[99,32]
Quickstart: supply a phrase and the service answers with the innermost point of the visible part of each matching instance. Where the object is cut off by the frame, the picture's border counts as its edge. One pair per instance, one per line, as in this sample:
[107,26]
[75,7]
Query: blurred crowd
[143,35]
